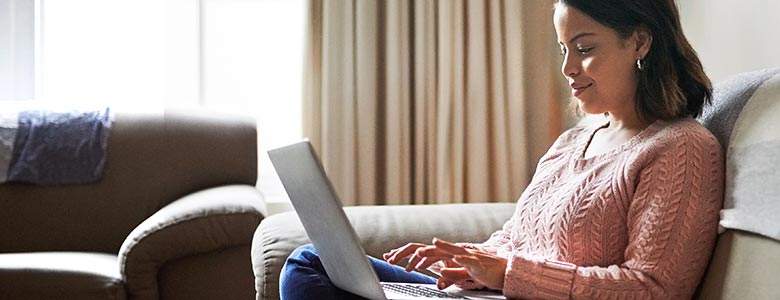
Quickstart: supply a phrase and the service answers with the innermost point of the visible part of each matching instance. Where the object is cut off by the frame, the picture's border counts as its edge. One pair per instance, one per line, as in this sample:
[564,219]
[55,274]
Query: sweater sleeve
[672,227]
[499,242]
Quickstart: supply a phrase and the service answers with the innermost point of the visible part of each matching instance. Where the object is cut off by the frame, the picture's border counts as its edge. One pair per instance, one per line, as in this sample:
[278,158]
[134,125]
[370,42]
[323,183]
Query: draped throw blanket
[51,148]
[745,118]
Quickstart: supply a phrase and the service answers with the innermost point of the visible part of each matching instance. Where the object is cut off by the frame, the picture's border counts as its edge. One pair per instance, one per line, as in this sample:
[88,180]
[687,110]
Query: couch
[171,218]
[745,265]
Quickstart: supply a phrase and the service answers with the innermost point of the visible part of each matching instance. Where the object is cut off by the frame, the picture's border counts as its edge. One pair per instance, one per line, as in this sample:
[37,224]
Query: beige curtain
[431,101]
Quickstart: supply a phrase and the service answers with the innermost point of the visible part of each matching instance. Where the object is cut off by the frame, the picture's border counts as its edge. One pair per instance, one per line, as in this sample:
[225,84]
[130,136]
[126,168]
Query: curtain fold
[431,101]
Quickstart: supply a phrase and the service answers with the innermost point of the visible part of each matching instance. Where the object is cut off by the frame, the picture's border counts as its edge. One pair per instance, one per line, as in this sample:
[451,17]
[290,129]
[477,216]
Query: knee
[303,254]
[302,261]
[304,250]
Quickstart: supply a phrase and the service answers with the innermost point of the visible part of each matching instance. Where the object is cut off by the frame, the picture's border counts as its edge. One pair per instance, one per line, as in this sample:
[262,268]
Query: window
[242,56]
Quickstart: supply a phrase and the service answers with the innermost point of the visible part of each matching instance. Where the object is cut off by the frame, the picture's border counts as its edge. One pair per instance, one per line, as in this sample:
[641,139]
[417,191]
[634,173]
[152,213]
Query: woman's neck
[627,122]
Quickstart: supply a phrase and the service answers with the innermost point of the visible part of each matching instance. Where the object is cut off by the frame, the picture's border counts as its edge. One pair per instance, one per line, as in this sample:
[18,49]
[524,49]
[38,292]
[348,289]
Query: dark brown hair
[672,83]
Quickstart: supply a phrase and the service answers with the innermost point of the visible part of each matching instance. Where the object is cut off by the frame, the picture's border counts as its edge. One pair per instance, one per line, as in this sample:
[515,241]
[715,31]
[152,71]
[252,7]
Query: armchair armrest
[380,228]
[205,221]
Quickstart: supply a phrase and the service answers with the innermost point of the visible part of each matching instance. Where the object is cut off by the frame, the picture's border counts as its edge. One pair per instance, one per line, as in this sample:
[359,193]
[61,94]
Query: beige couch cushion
[380,228]
[744,266]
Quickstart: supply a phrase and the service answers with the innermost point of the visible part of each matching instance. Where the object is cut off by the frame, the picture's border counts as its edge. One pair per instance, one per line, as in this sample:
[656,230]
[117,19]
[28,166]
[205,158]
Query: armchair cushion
[60,275]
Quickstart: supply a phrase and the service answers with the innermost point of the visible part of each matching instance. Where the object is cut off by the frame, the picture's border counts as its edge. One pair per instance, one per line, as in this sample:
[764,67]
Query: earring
[640,64]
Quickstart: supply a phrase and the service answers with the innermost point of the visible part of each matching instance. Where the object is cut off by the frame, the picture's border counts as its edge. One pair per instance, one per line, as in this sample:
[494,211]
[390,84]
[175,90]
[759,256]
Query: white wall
[733,36]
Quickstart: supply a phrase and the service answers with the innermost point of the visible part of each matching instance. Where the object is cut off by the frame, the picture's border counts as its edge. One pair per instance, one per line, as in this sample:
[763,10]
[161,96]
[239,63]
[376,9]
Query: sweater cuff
[545,279]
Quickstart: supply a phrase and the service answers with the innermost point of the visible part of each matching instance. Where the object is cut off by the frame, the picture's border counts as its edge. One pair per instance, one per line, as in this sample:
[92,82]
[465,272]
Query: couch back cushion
[745,117]
[729,98]
[153,159]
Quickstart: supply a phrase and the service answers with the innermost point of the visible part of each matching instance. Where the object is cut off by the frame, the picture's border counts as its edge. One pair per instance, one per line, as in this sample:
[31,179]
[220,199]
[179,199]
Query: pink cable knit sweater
[637,222]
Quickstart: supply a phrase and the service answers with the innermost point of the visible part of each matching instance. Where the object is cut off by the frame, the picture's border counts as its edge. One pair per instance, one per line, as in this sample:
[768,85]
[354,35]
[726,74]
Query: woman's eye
[584,50]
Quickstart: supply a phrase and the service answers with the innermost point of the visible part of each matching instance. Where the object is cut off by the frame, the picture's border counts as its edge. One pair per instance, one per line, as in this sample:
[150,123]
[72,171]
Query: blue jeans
[303,277]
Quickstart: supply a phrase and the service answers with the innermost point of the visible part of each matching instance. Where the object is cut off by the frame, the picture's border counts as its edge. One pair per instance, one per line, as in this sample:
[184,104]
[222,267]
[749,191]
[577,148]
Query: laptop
[322,215]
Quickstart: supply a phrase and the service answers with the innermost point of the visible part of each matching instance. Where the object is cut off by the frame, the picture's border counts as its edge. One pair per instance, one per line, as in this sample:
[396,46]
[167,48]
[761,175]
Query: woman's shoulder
[580,131]
[575,132]
[571,138]
[681,133]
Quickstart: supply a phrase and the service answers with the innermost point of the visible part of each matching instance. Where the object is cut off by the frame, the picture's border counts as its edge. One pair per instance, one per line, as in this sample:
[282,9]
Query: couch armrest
[380,228]
[205,221]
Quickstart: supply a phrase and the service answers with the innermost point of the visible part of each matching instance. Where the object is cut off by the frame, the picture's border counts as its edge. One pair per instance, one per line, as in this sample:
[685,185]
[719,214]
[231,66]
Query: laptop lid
[321,213]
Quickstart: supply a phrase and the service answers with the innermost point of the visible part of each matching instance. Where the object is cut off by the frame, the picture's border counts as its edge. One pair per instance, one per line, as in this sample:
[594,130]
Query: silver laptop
[329,230]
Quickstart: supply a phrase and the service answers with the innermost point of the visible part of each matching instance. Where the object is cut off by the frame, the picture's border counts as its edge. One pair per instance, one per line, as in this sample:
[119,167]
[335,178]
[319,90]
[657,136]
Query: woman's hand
[421,256]
[461,263]
[487,269]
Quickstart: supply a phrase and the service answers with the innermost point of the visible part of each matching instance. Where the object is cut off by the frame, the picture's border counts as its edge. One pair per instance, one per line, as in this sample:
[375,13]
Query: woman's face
[599,65]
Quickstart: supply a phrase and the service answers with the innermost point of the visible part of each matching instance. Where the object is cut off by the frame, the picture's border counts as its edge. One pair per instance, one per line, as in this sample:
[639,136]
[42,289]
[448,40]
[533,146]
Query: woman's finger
[450,276]
[449,247]
[454,274]
[428,260]
[396,255]
[413,261]
[387,255]
[424,256]
[416,257]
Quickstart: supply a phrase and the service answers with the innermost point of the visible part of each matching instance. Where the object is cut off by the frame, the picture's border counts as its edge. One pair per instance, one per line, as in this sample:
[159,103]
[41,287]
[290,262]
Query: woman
[627,209]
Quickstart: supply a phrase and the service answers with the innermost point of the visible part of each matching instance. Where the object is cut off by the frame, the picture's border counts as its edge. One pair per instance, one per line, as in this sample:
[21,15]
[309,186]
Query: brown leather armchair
[172,217]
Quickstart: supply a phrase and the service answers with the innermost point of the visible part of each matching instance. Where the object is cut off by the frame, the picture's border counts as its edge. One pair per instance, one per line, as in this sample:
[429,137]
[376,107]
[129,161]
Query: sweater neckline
[633,141]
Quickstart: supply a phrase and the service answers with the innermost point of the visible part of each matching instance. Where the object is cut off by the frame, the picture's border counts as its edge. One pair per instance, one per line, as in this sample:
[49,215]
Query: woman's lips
[576,90]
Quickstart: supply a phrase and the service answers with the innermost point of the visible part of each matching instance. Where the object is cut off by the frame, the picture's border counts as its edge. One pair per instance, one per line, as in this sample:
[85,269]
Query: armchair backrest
[153,159]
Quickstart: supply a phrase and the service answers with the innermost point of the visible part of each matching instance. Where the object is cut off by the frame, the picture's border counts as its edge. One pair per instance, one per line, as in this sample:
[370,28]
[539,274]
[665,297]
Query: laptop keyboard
[418,291]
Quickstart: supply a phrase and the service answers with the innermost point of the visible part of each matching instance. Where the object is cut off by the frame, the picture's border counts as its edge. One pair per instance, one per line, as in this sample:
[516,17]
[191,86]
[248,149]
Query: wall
[733,36]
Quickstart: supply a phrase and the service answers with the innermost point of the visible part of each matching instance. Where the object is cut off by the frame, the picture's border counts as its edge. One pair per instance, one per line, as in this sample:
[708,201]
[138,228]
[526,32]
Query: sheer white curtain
[242,56]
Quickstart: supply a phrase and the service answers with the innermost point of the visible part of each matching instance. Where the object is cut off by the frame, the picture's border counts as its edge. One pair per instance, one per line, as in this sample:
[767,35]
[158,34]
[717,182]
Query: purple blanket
[52,148]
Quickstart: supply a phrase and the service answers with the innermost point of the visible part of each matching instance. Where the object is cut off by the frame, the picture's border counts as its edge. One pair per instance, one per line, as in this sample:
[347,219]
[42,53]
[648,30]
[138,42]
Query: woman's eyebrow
[581,35]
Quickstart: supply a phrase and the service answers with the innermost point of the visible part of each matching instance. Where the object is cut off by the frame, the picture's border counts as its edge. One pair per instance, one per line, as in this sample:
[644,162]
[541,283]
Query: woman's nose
[569,68]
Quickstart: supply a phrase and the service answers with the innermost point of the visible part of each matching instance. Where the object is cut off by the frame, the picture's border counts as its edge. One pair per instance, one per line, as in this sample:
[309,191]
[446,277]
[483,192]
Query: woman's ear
[644,40]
